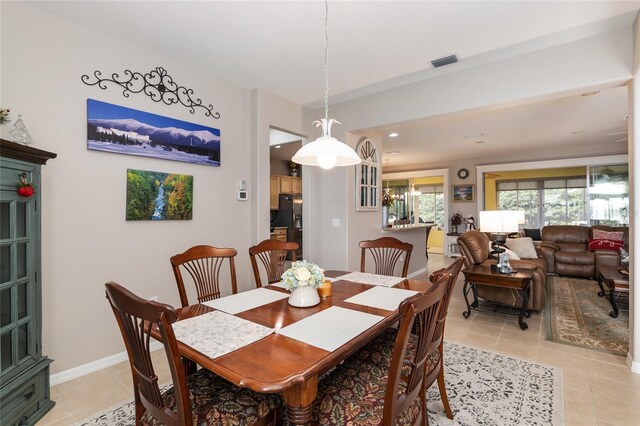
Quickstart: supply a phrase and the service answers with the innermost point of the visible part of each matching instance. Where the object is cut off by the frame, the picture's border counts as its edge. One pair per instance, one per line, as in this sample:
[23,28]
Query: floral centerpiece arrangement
[456,220]
[387,198]
[294,167]
[303,273]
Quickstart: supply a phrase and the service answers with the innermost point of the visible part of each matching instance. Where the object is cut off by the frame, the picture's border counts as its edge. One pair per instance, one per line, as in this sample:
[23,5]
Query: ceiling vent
[451,59]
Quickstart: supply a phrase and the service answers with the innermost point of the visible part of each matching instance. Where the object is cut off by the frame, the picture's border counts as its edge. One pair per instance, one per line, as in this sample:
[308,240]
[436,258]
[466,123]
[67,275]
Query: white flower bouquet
[303,273]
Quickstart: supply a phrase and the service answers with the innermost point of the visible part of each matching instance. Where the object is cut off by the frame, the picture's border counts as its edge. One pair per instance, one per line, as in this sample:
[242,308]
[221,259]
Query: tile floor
[599,389]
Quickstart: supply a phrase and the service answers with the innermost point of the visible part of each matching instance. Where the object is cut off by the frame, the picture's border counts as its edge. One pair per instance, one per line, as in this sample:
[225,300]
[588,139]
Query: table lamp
[499,224]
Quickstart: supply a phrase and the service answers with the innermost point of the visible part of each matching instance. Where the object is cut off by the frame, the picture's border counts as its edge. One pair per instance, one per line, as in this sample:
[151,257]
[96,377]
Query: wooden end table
[479,274]
[615,281]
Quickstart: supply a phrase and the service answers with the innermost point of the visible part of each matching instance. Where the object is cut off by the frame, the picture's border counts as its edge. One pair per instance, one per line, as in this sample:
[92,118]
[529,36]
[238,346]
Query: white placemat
[246,300]
[382,297]
[216,333]
[372,279]
[331,328]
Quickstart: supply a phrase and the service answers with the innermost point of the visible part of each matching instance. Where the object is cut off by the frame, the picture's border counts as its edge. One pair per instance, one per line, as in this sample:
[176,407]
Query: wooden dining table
[278,363]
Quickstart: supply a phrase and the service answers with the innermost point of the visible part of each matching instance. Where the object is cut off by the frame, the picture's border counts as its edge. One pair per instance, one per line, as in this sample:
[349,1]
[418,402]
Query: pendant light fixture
[326,151]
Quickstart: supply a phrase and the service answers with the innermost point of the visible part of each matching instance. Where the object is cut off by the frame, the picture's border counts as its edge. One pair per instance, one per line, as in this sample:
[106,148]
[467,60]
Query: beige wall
[85,238]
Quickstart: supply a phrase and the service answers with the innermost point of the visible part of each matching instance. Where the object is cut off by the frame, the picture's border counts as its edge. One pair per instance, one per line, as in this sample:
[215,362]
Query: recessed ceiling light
[577,132]
[393,135]
[479,141]
[277,146]
[473,135]
[393,152]
[595,92]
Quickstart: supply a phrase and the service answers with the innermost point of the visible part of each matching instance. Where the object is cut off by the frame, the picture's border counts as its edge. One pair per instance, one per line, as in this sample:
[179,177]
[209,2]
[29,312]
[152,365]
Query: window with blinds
[551,201]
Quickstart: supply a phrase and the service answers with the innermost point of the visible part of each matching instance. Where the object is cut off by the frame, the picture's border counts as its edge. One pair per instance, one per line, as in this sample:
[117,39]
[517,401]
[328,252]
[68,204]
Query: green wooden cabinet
[24,370]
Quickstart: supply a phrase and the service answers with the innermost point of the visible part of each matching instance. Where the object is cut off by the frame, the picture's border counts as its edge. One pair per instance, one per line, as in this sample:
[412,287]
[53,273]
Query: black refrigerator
[290,215]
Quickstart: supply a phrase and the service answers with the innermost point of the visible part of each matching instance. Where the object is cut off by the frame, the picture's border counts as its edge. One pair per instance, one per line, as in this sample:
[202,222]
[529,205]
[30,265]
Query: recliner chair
[475,248]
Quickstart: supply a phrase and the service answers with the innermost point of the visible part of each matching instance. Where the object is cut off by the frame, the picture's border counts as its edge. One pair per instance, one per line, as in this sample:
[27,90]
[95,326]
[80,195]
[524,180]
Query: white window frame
[368,153]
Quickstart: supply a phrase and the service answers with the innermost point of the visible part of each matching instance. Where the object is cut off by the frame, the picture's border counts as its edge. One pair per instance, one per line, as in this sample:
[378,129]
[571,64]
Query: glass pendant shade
[326,152]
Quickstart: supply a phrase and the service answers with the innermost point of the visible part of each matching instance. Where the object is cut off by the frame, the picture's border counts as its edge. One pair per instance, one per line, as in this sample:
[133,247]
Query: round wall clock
[463,173]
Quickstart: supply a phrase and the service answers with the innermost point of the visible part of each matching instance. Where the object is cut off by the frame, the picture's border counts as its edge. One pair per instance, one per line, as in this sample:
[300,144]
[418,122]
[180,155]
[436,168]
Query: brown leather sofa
[474,246]
[565,249]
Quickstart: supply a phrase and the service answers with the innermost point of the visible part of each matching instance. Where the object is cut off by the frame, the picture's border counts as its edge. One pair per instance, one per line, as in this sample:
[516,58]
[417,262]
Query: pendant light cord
[326,60]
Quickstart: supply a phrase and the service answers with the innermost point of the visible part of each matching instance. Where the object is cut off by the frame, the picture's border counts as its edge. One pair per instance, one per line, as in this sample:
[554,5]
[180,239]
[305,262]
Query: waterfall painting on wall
[114,128]
[159,196]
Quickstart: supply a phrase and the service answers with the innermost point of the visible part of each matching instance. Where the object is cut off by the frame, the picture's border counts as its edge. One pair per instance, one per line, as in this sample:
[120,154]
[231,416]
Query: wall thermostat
[243,195]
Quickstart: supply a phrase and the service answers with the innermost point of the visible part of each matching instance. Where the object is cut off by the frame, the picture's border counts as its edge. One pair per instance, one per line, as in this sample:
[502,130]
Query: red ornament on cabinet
[25,189]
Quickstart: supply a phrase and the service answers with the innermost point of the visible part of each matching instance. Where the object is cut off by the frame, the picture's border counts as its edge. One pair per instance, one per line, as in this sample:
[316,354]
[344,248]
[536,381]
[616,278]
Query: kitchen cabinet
[282,185]
[286,186]
[24,370]
[279,234]
[296,185]
[274,192]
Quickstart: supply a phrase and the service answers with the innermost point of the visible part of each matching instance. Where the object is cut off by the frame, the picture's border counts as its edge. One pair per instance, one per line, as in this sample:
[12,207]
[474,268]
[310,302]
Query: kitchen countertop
[409,227]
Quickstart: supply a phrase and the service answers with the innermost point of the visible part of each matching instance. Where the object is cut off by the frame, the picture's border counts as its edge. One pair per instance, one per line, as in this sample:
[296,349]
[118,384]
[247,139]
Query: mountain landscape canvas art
[114,128]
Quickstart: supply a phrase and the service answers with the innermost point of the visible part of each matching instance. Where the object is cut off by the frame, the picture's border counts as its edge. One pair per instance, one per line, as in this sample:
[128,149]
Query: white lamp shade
[326,152]
[500,221]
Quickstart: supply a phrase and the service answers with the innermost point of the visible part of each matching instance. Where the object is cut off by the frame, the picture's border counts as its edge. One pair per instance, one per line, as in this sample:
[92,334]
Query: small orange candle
[325,289]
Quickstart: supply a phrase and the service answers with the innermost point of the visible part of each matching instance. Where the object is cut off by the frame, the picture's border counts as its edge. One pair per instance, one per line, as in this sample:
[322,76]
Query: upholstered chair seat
[354,393]
[215,401]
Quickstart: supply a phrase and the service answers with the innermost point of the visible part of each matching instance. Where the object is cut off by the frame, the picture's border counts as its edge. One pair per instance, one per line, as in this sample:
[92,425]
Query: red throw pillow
[603,244]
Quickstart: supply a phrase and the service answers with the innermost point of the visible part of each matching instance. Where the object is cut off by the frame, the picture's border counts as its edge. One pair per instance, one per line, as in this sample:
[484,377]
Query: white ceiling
[576,121]
[278,46]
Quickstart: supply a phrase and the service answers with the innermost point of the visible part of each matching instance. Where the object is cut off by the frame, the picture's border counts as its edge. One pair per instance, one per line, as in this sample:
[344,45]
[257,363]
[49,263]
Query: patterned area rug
[483,387]
[575,315]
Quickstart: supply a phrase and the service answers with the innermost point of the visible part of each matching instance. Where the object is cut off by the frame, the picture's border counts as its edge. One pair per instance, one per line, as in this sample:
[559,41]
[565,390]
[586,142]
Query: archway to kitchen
[285,188]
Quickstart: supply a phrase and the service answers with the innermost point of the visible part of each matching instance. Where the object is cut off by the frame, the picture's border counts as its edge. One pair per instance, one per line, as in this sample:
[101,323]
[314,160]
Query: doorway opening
[285,188]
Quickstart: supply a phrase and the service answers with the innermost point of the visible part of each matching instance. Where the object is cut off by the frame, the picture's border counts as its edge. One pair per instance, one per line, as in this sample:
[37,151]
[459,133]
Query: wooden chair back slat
[386,253]
[454,270]
[204,265]
[272,255]
[418,313]
[136,317]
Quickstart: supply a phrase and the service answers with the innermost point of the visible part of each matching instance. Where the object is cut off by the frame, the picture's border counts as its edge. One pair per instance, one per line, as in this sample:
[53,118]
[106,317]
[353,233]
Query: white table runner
[382,297]
[246,300]
[371,279]
[216,333]
[331,328]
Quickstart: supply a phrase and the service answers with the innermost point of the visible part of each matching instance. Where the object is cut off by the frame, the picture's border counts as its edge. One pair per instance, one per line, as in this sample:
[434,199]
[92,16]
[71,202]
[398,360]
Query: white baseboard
[416,273]
[633,365]
[93,366]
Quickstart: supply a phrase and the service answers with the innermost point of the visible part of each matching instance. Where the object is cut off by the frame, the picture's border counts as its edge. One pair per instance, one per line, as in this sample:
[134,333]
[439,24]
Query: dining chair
[387,391]
[201,398]
[386,253]
[272,255]
[204,263]
[435,369]
[380,350]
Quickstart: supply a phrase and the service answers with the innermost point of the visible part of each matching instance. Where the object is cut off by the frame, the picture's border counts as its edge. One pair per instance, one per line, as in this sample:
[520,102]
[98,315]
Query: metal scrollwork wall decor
[156,84]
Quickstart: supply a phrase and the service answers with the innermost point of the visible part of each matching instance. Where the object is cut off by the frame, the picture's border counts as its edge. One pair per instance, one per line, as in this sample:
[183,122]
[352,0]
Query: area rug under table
[484,388]
[576,315]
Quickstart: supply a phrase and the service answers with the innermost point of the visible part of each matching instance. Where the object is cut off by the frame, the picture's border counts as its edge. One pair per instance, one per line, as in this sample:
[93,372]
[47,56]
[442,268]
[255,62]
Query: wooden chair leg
[441,386]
